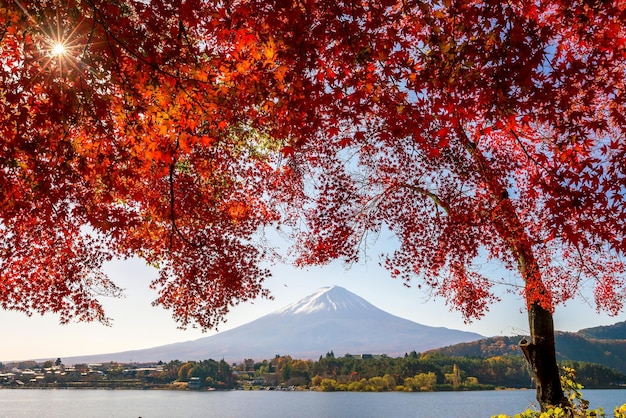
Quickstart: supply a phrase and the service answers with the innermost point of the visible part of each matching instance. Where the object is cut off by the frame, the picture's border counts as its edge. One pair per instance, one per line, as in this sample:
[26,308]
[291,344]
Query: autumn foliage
[472,131]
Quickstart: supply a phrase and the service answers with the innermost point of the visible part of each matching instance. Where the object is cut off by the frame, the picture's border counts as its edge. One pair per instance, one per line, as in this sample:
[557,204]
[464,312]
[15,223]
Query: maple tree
[176,131]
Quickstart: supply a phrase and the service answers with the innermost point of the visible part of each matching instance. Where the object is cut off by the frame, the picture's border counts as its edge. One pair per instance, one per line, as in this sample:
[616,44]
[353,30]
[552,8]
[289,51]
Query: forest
[367,373]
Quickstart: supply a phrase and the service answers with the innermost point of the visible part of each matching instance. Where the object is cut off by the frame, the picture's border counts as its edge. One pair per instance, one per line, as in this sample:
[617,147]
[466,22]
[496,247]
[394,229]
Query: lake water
[64,403]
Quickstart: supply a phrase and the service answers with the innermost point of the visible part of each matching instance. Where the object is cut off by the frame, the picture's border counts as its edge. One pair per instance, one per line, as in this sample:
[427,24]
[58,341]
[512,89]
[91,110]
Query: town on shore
[364,372]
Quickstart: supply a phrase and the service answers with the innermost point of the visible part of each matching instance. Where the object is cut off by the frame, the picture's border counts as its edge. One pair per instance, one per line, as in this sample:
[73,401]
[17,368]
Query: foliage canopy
[177,131]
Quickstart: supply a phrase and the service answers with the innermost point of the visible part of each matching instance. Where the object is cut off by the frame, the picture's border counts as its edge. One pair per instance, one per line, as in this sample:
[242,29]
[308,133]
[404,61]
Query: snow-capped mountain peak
[327,299]
[332,318]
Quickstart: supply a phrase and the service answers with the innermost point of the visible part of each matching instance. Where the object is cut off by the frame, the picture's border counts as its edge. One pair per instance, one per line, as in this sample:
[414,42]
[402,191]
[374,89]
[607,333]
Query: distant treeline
[510,371]
[413,372]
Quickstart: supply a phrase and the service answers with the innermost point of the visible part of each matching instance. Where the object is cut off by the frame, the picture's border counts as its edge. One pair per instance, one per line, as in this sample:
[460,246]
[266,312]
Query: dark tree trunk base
[540,353]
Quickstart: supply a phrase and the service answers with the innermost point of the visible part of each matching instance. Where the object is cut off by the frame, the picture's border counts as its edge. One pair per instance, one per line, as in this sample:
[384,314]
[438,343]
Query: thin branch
[175,229]
[530,157]
[433,196]
[156,67]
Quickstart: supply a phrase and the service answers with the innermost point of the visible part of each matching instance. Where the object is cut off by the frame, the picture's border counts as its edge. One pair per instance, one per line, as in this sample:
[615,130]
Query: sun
[59,36]
[58,49]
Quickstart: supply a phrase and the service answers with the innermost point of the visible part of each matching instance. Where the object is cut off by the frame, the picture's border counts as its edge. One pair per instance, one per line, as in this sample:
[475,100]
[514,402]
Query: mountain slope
[330,319]
[608,332]
[569,346]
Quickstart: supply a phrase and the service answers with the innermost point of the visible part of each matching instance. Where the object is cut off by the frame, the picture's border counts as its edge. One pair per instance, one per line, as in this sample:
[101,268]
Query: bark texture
[540,352]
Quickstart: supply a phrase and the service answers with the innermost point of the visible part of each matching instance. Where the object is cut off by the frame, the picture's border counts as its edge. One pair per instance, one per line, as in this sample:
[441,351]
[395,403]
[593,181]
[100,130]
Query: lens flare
[58,49]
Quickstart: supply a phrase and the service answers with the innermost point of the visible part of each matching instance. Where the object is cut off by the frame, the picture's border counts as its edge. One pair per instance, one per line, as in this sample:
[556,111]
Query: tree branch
[433,196]
[175,229]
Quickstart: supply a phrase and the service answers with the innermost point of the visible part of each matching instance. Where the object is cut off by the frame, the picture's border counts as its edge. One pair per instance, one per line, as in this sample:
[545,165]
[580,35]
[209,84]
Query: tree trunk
[541,354]
[540,351]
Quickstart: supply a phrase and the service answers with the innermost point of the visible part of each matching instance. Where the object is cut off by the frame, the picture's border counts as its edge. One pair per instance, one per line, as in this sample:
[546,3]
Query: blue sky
[139,325]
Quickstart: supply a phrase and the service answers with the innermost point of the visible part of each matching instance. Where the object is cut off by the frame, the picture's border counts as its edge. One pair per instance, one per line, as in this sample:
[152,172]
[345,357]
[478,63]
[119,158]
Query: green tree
[328,385]
[454,378]
[169,372]
[248,364]
[358,386]
[286,372]
[421,382]
[390,382]
[224,375]
[184,371]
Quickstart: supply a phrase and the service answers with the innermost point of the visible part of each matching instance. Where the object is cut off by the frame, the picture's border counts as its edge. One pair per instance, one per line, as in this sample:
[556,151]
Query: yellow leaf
[270,51]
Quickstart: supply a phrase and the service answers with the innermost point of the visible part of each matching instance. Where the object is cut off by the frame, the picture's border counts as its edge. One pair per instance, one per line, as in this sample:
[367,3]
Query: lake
[88,403]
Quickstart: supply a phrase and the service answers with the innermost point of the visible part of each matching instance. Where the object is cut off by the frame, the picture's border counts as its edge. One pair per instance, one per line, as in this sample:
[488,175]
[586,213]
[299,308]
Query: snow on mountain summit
[331,298]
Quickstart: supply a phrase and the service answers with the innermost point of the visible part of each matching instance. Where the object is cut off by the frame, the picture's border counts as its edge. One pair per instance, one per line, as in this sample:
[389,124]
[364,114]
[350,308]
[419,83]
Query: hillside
[569,346]
[609,332]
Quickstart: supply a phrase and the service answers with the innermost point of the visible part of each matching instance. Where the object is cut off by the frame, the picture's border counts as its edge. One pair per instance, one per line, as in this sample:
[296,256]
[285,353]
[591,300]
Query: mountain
[608,332]
[331,319]
[592,345]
